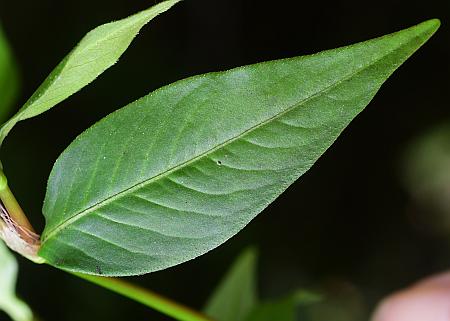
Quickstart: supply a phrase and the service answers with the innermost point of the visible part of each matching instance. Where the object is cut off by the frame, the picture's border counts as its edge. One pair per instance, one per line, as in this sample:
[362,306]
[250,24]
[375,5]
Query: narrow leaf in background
[9,80]
[14,307]
[96,52]
[180,171]
[236,295]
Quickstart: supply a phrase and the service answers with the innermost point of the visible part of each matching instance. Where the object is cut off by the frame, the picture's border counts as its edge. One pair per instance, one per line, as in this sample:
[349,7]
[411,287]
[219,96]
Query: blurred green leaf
[180,171]
[426,167]
[284,309]
[236,294]
[96,52]
[14,307]
[9,80]
[236,298]
[340,301]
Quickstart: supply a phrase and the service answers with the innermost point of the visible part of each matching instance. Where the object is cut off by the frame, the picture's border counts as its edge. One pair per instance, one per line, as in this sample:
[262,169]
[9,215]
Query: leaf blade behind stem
[95,53]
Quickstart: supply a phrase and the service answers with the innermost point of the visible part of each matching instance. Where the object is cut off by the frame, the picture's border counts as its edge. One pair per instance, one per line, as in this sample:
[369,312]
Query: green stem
[16,230]
[146,297]
[11,204]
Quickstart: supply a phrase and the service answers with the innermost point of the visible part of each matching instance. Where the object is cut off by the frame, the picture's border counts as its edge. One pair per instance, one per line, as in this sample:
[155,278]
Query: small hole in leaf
[219,162]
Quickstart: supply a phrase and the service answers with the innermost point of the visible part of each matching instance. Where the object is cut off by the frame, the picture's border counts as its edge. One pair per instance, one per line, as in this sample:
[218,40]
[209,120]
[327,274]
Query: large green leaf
[13,306]
[180,171]
[8,78]
[96,52]
[236,295]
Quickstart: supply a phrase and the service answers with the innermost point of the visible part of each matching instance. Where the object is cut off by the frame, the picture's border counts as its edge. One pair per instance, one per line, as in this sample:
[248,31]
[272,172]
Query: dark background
[347,228]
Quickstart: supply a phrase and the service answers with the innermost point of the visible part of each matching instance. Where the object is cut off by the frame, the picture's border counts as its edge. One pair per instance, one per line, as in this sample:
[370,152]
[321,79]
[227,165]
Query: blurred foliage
[13,306]
[9,78]
[341,301]
[427,178]
[236,297]
[284,309]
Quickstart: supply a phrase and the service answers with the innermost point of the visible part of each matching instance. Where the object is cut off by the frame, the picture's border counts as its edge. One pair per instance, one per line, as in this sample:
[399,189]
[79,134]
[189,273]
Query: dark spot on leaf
[98,269]
[219,162]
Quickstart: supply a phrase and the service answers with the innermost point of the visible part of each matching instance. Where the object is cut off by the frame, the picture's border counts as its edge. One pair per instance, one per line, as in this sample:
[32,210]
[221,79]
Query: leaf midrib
[167,172]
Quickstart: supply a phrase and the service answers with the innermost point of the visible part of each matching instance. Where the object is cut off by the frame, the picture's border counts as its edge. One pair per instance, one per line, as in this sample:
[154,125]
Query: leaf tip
[433,24]
[251,253]
[430,26]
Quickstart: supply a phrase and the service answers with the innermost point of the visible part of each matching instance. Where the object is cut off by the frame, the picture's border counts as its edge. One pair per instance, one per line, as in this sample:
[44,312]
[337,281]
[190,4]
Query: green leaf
[427,171]
[96,52]
[178,172]
[236,295]
[14,307]
[9,80]
[426,176]
[284,309]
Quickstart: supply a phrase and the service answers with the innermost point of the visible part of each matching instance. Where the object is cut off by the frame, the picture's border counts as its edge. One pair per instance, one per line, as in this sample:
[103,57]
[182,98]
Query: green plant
[16,308]
[180,171]
[236,297]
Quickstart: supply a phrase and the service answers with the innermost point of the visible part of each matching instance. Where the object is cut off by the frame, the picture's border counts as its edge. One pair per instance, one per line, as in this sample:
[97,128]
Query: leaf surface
[236,295]
[96,52]
[13,306]
[178,172]
[9,80]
